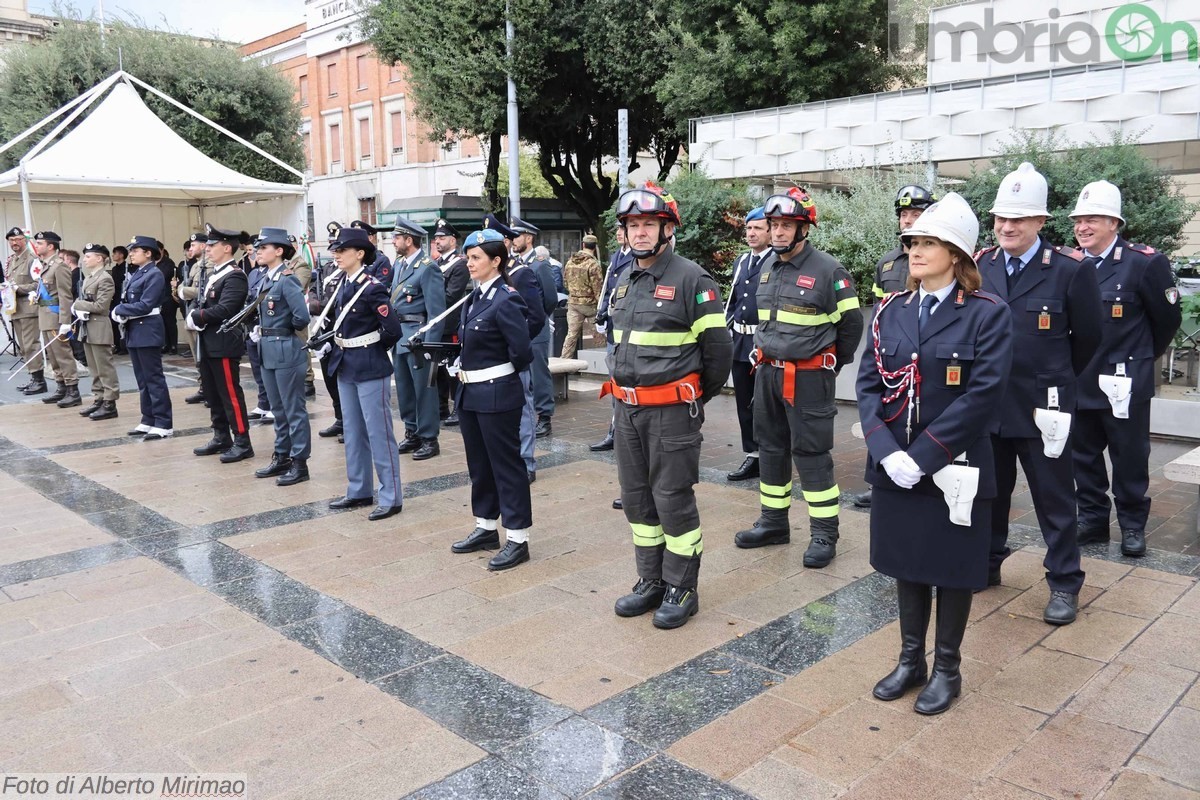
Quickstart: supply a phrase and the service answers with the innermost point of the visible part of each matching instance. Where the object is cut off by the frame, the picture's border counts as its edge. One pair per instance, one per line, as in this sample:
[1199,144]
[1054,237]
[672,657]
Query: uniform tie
[1015,265]
[927,305]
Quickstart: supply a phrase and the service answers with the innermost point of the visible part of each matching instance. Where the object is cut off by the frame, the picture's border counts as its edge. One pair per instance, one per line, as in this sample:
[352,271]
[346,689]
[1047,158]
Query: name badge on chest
[1044,321]
[270,307]
[1118,311]
[954,374]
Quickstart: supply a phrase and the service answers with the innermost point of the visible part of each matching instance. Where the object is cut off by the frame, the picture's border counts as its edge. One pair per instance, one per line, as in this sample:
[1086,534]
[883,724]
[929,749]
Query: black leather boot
[771,527]
[646,596]
[915,601]
[36,385]
[194,399]
[748,470]
[71,398]
[1133,542]
[297,473]
[604,444]
[241,450]
[428,449]
[1087,534]
[93,408]
[678,606]
[410,444]
[280,463]
[310,390]
[107,410]
[822,548]
[479,539]
[945,682]
[60,391]
[333,430]
[219,443]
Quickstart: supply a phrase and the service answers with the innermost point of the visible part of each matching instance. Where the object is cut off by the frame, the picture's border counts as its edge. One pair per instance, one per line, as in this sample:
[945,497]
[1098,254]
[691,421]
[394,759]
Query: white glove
[82,315]
[256,334]
[63,330]
[118,318]
[903,471]
[325,350]
[602,328]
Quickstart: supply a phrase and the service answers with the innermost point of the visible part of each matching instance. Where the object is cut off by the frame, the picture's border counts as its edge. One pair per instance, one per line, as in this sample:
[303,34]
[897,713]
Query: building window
[362,68]
[312,220]
[451,151]
[303,90]
[331,78]
[366,210]
[394,74]
[396,119]
[335,144]
[364,140]
[308,151]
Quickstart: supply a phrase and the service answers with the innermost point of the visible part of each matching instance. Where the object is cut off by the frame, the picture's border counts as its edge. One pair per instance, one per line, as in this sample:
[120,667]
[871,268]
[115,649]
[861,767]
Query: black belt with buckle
[418,319]
[277,332]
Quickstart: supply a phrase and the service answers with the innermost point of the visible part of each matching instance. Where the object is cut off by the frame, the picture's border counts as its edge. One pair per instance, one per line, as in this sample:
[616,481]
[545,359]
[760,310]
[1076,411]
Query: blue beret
[756,213]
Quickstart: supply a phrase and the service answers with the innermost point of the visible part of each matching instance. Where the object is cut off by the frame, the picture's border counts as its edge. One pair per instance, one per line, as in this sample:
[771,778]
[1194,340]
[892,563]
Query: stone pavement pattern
[161,612]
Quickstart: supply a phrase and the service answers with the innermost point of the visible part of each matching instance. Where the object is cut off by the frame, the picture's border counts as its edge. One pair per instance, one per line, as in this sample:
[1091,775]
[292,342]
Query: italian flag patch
[706,296]
[842,284]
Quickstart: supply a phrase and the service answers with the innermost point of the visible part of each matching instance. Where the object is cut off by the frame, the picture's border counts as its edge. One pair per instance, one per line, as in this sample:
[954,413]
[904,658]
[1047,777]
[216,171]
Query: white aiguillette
[1054,425]
[959,484]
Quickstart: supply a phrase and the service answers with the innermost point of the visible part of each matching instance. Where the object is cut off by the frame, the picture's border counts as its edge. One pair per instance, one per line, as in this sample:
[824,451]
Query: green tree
[719,57]
[247,98]
[533,184]
[1153,205]
[573,68]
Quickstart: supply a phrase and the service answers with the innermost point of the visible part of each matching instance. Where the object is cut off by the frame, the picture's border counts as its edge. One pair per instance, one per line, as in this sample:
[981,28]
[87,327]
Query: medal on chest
[271,306]
[1118,310]
[1044,321]
[953,374]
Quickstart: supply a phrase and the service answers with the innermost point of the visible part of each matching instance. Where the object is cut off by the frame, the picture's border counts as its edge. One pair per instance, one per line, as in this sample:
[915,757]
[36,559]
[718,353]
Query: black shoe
[678,606]
[60,391]
[513,554]
[383,512]
[297,473]
[646,596]
[217,444]
[92,409]
[915,601]
[107,410]
[410,444]
[1062,608]
[863,500]
[138,431]
[452,420]
[280,463]
[350,502]
[333,430]
[428,449]
[618,505]
[821,550]
[341,439]
[945,682]
[542,428]
[310,391]
[479,539]
[241,450]
[1091,534]
[1133,543]
[760,536]
[36,385]
[71,398]
[531,475]
[748,470]
[604,444]
[194,399]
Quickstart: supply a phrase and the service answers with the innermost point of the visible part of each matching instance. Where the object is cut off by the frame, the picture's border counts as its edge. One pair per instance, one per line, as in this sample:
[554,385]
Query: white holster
[1118,389]
[959,484]
[1055,425]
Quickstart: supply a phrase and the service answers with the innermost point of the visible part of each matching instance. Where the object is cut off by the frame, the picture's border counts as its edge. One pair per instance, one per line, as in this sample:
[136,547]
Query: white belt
[153,313]
[357,341]
[746,330]
[488,374]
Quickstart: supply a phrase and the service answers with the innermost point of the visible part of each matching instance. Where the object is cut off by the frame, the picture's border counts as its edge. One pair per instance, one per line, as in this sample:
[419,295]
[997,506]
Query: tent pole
[79,109]
[25,204]
[65,108]
[215,126]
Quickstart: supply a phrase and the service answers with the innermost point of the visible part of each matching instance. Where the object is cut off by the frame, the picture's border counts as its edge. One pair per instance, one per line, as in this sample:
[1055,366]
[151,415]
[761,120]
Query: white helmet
[1099,199]
[1021,194]
[949,220]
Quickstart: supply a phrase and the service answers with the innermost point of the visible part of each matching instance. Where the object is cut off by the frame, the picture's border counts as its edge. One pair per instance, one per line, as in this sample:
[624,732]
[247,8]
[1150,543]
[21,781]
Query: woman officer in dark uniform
[933,376]
[495,349]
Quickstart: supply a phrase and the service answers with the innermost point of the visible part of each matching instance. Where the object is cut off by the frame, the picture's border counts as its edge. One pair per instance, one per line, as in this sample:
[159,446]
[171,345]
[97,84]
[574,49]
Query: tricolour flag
[706,296]
[841,284]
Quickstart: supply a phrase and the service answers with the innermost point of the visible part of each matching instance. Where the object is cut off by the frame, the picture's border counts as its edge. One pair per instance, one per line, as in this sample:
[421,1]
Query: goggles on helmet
[796,204]
[646,202]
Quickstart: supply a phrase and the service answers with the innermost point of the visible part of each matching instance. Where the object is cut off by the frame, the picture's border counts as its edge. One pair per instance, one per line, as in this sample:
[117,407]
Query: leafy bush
[1154,207]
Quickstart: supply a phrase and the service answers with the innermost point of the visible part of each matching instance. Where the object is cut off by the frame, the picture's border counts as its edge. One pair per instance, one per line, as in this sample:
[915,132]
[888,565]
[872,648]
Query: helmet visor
[782,205]
[639,202]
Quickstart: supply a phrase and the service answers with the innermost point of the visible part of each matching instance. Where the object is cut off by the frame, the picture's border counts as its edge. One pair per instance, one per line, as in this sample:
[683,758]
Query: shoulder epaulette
[1143,248]
[985,296]
[1069,252]
[288,271]
[509,289]
[985,251]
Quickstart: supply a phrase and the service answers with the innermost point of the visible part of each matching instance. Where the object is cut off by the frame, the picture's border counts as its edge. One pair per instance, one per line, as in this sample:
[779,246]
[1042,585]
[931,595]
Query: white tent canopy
[122,171]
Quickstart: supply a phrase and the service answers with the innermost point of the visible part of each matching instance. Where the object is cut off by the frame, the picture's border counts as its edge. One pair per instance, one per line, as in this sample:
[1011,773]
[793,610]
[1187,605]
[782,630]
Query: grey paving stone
[479,706]
[361,644]
[115,441]
[489,779]
[1162,560]
[576,755]
[64,563]
[208,563]
[675,703]
[666,779]
[276,599]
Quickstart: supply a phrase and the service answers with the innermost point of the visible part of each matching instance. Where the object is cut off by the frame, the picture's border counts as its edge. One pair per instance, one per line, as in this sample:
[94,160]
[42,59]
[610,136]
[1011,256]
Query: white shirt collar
[485,287]
[1107,250]
[941,295]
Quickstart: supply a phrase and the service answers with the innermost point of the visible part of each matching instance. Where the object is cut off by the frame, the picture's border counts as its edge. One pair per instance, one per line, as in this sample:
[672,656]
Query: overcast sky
[232,20]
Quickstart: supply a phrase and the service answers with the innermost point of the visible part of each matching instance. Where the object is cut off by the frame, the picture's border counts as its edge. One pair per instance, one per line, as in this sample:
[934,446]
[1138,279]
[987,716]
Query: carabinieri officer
[282,321]
[364,331]
[741,313]
[495,349]
[418,295]
[928,386]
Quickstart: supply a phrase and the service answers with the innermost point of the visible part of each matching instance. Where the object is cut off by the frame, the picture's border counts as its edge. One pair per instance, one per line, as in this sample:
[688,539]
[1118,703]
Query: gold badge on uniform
[1118,311]
[887,265]
[765,275]
[954,375]
[621,290]
[1044,321]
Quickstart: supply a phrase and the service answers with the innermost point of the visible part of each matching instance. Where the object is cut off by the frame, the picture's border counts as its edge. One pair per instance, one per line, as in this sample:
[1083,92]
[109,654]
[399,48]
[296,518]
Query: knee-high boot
[915,601]
[945,683]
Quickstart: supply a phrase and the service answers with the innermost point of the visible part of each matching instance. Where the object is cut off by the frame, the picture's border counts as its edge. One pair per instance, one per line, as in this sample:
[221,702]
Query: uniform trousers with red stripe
[221,380]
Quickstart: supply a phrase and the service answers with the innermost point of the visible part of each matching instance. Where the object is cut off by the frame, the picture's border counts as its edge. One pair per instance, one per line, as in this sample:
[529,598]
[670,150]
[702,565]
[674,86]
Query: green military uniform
[25,318]
[187,292]
[95,299]
[55,294]
[584,281]
[302,271]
